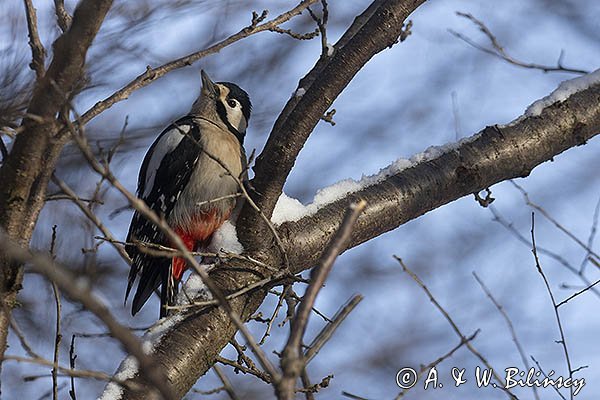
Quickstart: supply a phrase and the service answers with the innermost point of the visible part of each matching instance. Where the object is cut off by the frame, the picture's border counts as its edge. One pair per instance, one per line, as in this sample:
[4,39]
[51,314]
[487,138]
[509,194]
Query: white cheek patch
[236,118]
[166,144]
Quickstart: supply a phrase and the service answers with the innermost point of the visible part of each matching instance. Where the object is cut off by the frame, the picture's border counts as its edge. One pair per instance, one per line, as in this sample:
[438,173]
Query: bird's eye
[232,103]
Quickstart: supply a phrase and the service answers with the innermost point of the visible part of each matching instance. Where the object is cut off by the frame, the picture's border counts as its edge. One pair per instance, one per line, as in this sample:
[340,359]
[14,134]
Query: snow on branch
[289,209]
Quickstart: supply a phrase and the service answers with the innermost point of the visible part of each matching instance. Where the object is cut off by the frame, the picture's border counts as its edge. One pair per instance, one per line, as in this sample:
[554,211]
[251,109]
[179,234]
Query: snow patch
[129,366]
[225,240]
[330,49]
[290,209]
[565,90]
[193,289]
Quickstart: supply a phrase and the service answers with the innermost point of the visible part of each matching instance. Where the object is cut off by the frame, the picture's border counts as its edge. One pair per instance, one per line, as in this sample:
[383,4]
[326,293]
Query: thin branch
[152,74]
[510,227]
[37,49]
[226,383]
[562,341]
[70,372]
[455,327]
[498,50]
[72,358]
[274,315]
[22,340]
[90,215]
[295,35]
[578,293]
[439,360]
[58,335]
[546,376]
[322,337]
[553,220]
[306,384]
[592,236]
[62,16]
[246,370]
[322,27]
[511,328]
[292,361]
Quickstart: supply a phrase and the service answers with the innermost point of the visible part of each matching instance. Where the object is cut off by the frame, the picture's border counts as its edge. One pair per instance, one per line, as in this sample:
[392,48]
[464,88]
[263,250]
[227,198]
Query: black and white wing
[164,174]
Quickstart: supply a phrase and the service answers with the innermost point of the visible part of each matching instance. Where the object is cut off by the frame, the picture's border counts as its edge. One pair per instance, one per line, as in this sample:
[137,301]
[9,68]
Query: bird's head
[224,104]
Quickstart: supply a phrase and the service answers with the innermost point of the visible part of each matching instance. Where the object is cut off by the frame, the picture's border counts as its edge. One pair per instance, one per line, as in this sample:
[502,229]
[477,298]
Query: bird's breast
[214,179]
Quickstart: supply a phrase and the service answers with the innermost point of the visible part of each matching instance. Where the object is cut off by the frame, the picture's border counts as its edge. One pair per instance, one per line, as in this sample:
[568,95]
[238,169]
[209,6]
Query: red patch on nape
[197,234]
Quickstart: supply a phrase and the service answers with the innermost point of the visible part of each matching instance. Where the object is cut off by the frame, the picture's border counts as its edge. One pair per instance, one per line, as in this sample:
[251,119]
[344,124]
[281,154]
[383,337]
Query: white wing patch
[166,144]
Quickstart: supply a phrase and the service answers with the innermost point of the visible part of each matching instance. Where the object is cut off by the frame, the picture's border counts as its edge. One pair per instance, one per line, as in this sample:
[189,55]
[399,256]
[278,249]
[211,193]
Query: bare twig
[152,74]
[562,340]
[274,315]
[69,372]
[455,327]
[37,49]
[246,370]
[439,360]
[510,227]
[353,396]
[82,294]
[553,220]
[484,201]
[22,340]
[62,16]
[90,215]
[292,361]
[306,384]
[309,389]
[72,358]
[328,117]
[295,35]
[513,332]
[322,27]
[578,293]
[226,383]
[456,115]
[593,231]
[322,337]
[58,336]
[546,376]
[498,51]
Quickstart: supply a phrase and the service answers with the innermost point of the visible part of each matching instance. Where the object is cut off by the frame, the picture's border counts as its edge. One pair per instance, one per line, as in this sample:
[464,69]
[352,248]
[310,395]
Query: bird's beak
[208,86]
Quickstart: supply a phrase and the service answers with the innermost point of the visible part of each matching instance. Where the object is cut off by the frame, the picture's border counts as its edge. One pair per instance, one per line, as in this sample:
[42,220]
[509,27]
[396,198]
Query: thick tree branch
[496,154]
[379,27]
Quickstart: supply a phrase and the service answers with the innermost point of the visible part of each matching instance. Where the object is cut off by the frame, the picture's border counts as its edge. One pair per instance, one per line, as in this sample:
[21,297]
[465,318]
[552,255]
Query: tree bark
[496,154]
[27,169]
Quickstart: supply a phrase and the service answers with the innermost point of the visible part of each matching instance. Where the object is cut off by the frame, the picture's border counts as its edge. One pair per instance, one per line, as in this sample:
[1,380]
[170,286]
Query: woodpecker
[187,177]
